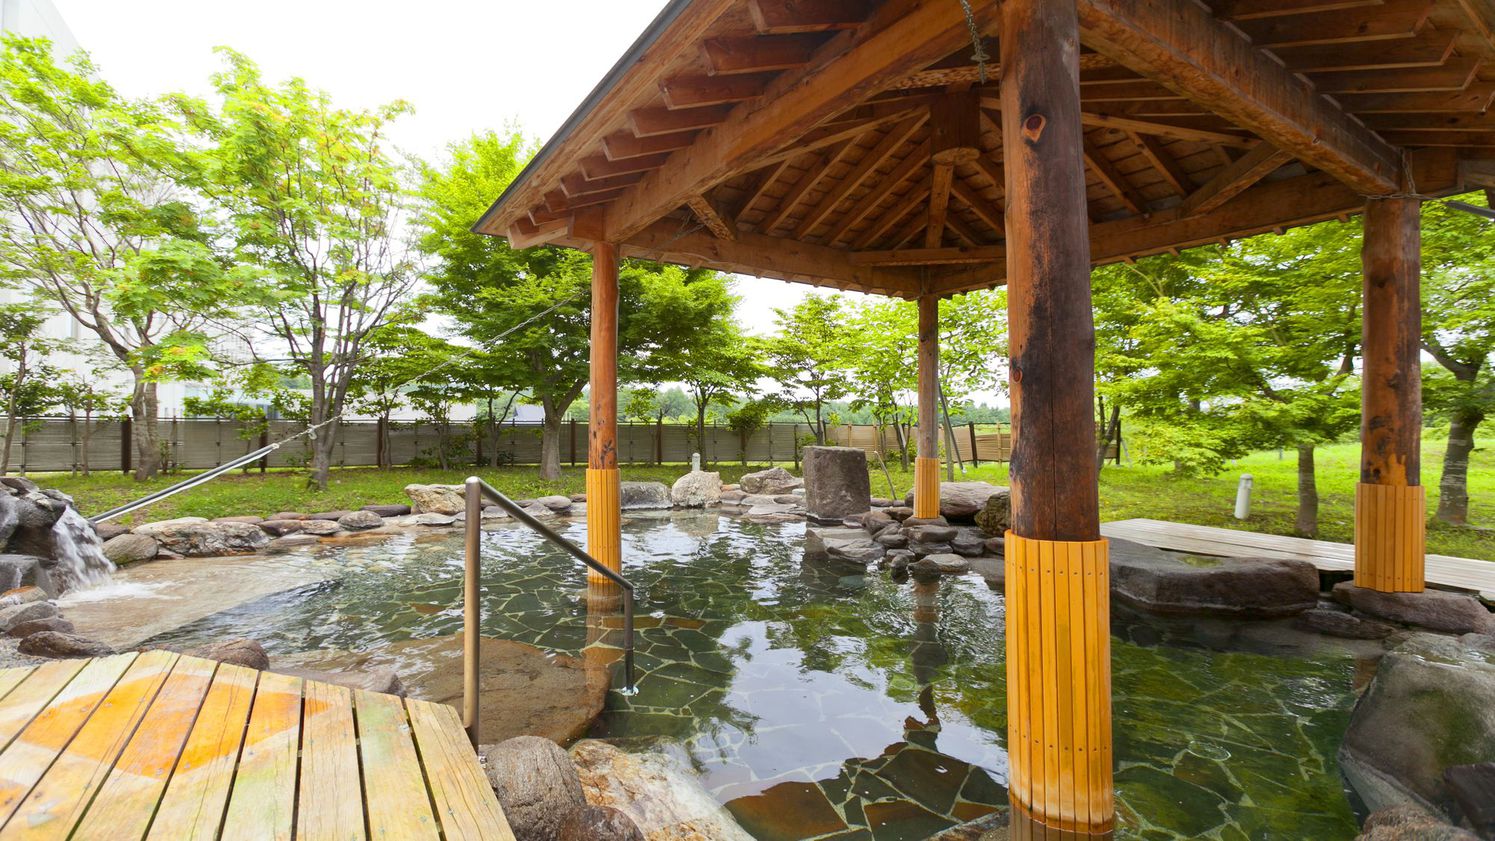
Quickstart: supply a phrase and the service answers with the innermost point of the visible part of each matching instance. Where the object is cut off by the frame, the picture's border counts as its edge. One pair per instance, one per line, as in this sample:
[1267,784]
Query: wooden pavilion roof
[793,138]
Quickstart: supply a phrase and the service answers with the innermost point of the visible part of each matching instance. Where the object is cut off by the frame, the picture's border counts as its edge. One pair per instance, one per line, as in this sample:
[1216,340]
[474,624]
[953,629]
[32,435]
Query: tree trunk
[902,444]
[1308,494]
[87,437]
[1109,433]
[701,431]
[550,443]
[321,456]
[143,410]
[1453,486]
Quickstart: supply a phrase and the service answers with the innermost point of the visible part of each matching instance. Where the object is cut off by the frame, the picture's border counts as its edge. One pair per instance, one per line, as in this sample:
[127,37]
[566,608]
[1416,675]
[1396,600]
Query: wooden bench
[1462,573]
[163,746]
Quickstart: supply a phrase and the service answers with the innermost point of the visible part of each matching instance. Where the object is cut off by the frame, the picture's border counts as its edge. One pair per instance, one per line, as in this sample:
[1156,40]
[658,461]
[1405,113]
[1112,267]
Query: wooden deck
[162,746]
[1462,573]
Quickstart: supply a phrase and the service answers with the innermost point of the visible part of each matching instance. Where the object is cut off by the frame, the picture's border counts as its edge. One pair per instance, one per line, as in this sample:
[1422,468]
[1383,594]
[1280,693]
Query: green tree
[30,387]
[90,397]
[1458,331]
[882,355]
[97,219]
[807,357]
[529,309]
[697,341]
[314,201]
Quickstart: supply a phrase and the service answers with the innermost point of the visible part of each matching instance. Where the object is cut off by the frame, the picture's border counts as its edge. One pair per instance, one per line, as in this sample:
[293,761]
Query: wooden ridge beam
[901,37]
[1235,179]
[1184,47]
[765,256]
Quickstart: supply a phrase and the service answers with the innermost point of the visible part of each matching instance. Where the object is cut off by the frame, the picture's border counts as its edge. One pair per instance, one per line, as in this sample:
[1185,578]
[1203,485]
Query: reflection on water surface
[817,703]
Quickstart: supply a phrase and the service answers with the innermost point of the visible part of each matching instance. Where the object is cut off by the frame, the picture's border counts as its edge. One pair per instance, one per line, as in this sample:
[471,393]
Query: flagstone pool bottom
[820,704]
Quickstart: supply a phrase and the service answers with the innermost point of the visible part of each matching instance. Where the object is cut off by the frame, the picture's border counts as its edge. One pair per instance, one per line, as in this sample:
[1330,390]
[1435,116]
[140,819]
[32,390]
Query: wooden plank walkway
[1462,573]
[156,745]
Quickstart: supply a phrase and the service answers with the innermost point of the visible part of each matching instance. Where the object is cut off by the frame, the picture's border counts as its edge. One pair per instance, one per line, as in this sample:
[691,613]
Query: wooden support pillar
[604,512]
[1057,565]
[1390,503]
[927,463]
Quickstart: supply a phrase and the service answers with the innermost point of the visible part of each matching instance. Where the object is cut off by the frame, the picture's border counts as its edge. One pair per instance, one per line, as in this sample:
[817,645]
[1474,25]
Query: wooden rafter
[649,122]
[700,91]
[855,64]
[1184,47]
[599,166]
[1173,175]
[711,216]
[929,256]
[817,169]
[1161,128]
[1109,175]
[939,203]
[791,16]
[913,202]
[985,210]
[1392,20]
[758,53]
[915,161]
[891,142]
[1235,179]
[621,145]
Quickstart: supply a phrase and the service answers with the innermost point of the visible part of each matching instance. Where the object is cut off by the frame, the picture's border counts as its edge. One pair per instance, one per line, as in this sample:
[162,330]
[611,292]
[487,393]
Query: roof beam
[1235,179]
[1110,176]
[939,203]
[790,16]
[764,256]
[930,256]
[916,160]
[710,216]
[1152,149]
[890,143]
[756,54]
[1181,45]
[901,37]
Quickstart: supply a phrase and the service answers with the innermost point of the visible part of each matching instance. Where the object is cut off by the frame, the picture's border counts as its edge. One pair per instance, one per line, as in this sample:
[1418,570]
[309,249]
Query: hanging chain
[979,54]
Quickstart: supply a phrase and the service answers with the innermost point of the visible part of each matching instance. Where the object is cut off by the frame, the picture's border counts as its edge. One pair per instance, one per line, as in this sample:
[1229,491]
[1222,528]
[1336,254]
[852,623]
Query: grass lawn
[1127,491]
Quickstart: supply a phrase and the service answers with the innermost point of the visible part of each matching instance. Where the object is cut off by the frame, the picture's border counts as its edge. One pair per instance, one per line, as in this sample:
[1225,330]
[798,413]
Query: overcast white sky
[465,66]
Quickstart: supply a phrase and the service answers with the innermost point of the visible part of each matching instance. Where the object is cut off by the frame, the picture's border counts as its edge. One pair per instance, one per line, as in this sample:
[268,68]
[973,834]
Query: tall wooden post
[927,464]
[604,514]
[1390,503]
[1057,573]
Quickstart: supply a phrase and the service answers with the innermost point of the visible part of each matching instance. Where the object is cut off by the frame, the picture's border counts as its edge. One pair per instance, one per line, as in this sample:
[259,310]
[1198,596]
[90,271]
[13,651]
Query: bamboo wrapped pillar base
[1059,683]
[604,521]
[1390,537]
[926,487]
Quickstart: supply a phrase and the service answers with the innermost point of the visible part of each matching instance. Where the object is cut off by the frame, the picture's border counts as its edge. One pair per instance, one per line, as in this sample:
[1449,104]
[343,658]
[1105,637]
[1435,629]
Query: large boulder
[995,517]
[360,520]
[536,784]
[195,537]
[1431,706]
[1407,823]
[435,499]
[236,652]
[836,482]
[59,646]
[849,545]
[774,480]
[664,798]
[598,823]
[1165,582]
[30,521]
[960,501]
[33,626]
[388,510]
[640,496]
[17,570]
[697,489]
[130,548]
[16,614]
[1436,610]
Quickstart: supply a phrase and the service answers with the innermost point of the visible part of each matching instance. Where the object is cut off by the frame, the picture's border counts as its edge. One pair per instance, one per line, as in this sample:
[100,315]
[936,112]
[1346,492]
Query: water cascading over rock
[46,541]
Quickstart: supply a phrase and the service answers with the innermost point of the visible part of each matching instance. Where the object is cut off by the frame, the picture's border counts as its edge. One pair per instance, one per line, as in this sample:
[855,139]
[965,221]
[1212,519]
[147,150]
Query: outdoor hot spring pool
[816,703]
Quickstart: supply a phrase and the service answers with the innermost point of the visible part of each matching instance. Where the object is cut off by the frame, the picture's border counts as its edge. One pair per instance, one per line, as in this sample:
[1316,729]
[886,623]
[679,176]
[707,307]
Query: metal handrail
[474,491]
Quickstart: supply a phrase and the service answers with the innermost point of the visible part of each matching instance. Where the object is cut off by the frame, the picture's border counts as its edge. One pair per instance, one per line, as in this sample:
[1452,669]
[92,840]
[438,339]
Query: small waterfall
[80,554]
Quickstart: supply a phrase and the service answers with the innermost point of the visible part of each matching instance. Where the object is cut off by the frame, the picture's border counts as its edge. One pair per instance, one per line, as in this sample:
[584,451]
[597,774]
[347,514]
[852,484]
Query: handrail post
[472,573]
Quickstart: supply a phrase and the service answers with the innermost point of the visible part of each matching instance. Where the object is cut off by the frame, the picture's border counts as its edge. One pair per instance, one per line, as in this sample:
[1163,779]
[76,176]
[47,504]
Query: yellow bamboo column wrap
[604,521]
[926,487]
[1059,682]
[1390,539]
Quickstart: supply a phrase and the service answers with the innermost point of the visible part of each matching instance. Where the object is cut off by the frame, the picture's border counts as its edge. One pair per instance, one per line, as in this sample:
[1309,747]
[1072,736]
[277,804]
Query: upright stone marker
[837,484]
